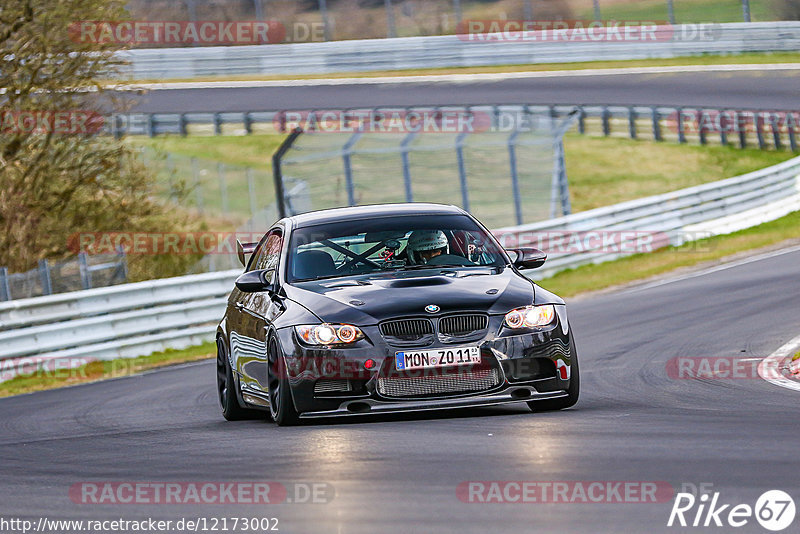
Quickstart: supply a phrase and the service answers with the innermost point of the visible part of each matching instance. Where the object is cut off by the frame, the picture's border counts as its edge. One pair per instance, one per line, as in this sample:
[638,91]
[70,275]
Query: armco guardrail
[604,234]
[112,322]
[454,51]
[766,129]
[135,319]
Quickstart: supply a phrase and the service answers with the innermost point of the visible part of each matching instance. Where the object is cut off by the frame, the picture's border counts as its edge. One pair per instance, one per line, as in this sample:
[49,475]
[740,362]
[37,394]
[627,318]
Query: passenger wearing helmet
[431,247]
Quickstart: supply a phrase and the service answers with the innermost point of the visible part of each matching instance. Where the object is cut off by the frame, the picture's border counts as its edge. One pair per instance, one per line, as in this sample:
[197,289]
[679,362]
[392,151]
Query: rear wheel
[281,405]
[572,391]
[226,386]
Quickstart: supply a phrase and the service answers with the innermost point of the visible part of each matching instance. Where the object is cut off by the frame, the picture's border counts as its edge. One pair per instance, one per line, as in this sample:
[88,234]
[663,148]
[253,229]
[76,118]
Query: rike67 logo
[774,510]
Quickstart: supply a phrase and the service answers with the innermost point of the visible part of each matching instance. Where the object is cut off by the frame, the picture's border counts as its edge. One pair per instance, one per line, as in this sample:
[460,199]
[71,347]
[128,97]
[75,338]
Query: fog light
[369,364]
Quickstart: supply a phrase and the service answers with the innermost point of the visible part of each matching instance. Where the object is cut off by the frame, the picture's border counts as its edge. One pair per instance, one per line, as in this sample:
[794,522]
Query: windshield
[393,243]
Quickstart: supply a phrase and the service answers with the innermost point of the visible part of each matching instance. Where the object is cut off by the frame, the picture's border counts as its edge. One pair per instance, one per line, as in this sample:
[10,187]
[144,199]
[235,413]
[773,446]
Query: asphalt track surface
[400,473]
[771,90]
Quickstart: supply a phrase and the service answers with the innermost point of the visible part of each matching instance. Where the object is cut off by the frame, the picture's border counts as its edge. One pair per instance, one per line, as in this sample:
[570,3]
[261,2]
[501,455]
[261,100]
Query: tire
[226,387]
[573,391]
[281,404]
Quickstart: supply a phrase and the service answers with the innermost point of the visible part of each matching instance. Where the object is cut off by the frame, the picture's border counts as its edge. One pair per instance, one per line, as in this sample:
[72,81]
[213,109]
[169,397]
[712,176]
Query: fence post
[723,126]
[790,126]
[512,163]
[656,124]
[457,10]
[606,125]
[348,168]
[198,188]
[251,190]
[5,288]
[323,8]
[462,170]
[83,266]
[44,274]
[223,187]
[681,134]
[406,165]
[528,10]
[217,124]
[151,125]
[670,12]
[248,123]
[391,31]
[596,6]
[123,263]
[746,10]
[182,122]
[277,172]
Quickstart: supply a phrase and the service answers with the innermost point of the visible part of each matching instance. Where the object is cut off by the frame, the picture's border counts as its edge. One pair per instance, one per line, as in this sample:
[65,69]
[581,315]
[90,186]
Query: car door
[256,311]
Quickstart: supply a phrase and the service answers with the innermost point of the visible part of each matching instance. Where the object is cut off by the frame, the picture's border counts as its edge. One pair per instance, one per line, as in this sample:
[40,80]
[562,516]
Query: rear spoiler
[245,249]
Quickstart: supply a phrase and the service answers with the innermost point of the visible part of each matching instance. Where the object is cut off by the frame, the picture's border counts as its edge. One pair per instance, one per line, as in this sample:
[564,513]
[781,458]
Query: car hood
[368,300]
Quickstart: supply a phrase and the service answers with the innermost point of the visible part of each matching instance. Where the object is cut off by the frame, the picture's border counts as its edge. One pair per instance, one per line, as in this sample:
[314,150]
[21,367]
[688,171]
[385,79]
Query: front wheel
[572,391]
[281,405]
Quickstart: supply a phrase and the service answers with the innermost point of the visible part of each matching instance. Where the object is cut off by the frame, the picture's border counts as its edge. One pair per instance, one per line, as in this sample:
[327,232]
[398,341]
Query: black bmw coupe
[389,308]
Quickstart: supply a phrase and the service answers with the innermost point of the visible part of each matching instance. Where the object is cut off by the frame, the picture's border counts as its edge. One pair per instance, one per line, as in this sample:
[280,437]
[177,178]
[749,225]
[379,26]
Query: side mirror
[243,250]
[256,281]
[528,258]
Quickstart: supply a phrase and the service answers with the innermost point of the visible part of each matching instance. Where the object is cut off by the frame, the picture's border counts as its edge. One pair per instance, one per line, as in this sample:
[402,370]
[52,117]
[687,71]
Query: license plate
[422,359]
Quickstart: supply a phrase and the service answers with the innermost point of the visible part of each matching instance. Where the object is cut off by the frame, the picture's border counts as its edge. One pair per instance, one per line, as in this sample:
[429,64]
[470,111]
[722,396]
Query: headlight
[530,316]
[329,334]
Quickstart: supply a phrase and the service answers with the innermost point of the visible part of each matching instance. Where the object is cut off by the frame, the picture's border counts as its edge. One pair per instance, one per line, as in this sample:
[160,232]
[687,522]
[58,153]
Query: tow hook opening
[521,393]
[358,407]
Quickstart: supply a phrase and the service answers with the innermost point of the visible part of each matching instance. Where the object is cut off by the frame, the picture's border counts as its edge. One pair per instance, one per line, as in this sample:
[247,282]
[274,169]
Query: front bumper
[533,365]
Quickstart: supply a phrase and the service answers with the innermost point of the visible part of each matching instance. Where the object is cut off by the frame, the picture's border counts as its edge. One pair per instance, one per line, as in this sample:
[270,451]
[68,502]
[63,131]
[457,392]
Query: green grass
[744,59]
[103,370]
[601,170]
[686,11]
[641,266]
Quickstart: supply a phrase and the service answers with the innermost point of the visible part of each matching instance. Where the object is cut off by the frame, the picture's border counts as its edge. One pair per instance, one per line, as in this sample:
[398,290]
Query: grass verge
[738,59]
[637,267]
[102,370]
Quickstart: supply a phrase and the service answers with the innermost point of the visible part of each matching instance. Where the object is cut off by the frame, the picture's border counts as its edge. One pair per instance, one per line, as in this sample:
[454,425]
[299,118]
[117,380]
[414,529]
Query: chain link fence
[82,272]
[506,167]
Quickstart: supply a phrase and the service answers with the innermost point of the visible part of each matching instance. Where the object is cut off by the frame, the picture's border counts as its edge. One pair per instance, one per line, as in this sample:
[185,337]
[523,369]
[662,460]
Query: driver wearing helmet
[423,245]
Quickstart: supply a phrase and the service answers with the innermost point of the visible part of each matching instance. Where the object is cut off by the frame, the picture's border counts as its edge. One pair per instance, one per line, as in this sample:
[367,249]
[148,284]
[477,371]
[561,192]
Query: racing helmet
[424,240]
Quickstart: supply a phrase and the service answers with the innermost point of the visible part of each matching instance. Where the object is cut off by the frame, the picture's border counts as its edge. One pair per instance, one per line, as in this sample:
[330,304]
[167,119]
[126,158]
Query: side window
[268,254]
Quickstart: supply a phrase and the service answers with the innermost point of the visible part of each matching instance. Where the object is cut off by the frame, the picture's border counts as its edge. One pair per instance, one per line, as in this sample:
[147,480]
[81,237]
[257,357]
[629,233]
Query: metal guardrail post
[701,127]
[746,10]
[581,120]
[462,170]
[326,27]
[248,123]
[182,125]
[632,122]
[776,133]
[792,134]
[5,288]
[606,115]
[217,124]
[512,163]
[457,10]
[723,131]
[740,127]
[670,12]
[123,263]
[681,133]
[656,124]
[277,172]
[151,125]
[757,119]
[44,275]
[348,168]
[83,266]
